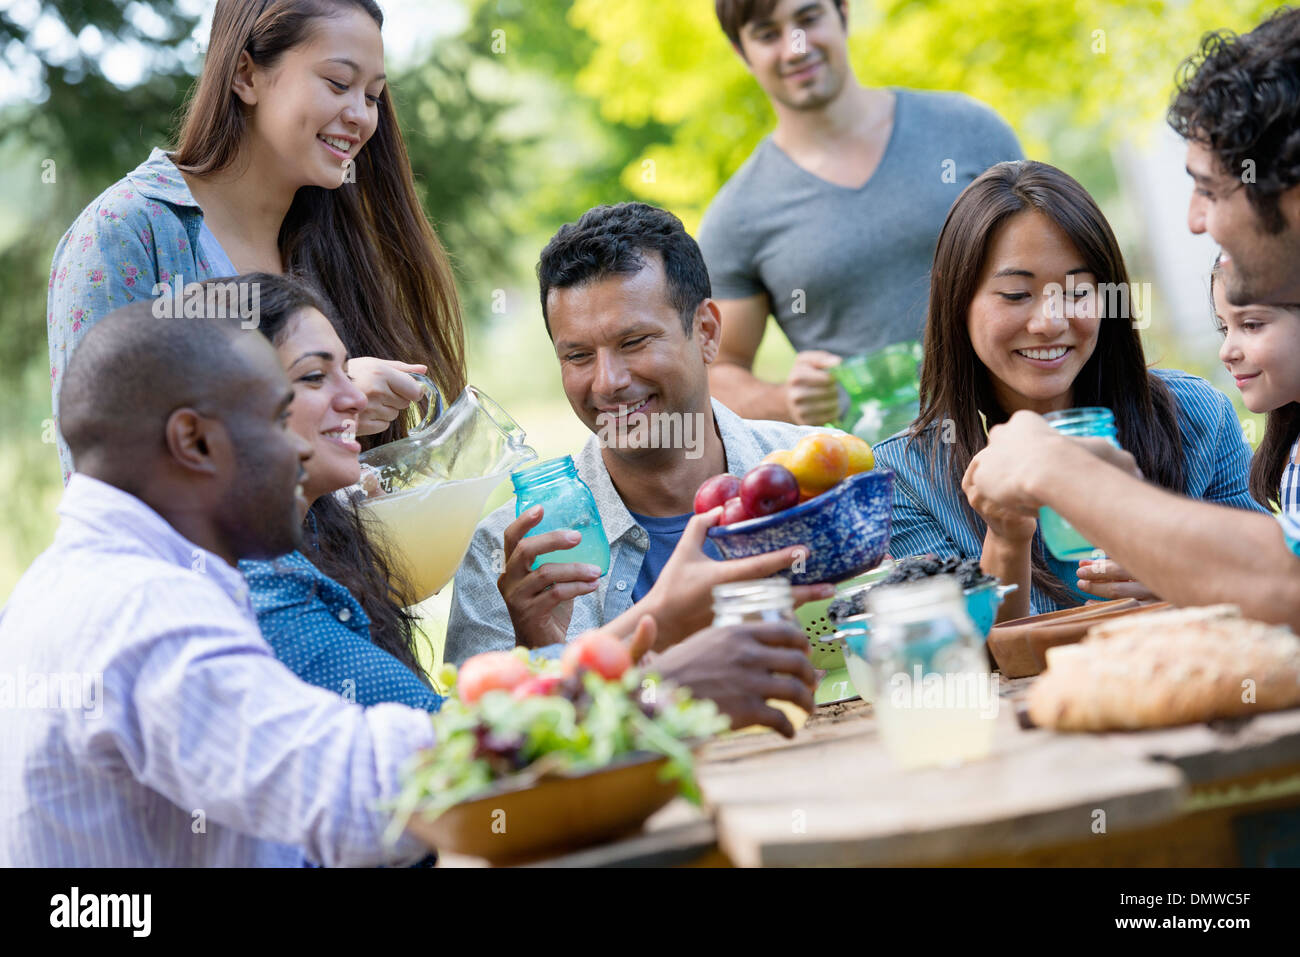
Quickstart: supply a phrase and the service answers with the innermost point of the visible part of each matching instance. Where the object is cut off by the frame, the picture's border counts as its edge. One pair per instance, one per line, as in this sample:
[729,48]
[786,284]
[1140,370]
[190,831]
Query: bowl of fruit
[823,494]
[534,761]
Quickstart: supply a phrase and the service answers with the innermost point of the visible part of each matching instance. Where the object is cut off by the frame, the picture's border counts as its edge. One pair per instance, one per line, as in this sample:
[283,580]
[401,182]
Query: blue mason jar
[568,505]
[1059,535]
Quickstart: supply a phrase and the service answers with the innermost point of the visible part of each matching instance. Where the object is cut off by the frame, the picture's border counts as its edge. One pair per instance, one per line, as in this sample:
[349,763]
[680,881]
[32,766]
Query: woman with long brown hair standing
[289,161]
[1031,308]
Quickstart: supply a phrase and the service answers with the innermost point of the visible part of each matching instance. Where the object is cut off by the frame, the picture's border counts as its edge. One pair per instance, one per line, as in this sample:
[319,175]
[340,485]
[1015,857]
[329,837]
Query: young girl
[1018,320]
[289,160]
[1261,349]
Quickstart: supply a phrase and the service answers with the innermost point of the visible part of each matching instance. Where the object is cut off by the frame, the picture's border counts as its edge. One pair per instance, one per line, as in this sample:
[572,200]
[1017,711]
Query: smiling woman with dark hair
[1031,308]
[289,160]
[332,611]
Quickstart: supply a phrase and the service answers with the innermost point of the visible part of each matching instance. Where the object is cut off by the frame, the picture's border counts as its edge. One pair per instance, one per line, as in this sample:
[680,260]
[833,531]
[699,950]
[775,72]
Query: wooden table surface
[833,796]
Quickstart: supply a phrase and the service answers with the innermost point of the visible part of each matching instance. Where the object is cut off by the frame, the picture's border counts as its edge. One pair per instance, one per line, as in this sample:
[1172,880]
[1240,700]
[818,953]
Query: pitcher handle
[435,402]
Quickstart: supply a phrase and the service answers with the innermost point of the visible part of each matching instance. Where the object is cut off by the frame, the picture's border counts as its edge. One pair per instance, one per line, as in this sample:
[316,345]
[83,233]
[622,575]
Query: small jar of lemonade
[767,599]
[567,504]
[935,699]
[1059,535]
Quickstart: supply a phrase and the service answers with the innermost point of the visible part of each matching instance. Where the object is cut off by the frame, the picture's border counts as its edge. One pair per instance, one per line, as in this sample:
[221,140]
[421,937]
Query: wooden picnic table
[1224,794]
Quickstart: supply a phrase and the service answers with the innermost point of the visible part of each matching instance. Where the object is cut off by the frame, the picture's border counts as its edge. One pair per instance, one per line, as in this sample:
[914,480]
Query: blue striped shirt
[1288,498]
[931,514]
[175,737]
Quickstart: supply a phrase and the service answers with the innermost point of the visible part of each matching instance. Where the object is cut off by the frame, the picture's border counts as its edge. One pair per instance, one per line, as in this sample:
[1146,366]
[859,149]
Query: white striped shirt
[200,748]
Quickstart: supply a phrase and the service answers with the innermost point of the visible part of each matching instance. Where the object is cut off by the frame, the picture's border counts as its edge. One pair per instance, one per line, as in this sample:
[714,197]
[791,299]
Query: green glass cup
[883,389]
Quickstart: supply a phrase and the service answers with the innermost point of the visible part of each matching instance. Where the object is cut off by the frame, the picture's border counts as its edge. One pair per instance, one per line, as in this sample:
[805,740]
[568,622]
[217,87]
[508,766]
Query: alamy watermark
[177,299]
[63,690]
[653,430]
[1117,300]
[953,690]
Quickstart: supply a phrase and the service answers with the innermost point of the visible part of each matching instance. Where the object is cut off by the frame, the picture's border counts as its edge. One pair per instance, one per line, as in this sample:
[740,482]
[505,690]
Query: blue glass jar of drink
[567,504]
[1059,535]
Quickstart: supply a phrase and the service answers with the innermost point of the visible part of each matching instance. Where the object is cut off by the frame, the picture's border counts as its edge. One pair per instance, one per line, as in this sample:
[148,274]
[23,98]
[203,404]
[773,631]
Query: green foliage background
[540,109]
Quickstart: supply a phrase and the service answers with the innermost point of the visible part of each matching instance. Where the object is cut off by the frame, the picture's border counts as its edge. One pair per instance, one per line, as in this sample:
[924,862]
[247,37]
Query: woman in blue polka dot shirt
[331,611]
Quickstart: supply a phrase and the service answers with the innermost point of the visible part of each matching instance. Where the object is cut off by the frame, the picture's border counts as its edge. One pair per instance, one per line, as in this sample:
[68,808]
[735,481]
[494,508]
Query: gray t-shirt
[848,270]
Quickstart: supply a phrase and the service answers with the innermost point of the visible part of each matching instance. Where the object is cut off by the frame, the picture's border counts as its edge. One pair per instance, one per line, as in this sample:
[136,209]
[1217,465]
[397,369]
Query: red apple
[716,491]
[769,488]
[734,511]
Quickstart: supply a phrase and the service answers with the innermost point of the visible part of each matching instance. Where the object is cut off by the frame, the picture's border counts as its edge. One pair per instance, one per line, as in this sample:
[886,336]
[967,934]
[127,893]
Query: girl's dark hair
[367,245]
[1281,429]
[956,386]
[340,540]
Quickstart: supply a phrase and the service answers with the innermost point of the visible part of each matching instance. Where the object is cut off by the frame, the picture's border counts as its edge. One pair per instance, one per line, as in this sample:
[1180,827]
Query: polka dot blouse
[319,630]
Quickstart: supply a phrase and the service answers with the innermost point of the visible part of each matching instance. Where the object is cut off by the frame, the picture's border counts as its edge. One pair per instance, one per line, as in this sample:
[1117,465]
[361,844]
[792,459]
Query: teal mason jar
[1059,535]
[568,505]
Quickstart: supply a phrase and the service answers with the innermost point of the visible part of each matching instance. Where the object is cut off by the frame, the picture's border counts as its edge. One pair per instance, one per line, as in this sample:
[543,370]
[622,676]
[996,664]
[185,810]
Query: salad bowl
[551,813]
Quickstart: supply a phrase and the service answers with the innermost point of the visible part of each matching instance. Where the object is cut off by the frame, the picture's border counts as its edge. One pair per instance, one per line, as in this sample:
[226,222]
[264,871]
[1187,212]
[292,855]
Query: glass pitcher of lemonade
[935,700]
[427,491]
[1059,535]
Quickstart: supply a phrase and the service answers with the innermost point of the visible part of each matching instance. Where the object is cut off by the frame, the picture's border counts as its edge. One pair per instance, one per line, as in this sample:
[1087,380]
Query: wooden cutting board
[1020,647]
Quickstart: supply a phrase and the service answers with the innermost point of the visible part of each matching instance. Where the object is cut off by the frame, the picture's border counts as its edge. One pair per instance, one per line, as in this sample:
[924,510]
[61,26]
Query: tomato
[490,671]
[538,685]
[598,651]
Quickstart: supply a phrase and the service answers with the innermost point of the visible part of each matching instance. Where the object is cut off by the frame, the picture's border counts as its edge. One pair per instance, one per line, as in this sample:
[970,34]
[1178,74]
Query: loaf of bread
[1168,668]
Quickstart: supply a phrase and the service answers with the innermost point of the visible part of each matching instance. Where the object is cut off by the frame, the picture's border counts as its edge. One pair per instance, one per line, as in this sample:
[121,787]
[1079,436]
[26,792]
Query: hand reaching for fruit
[681,599]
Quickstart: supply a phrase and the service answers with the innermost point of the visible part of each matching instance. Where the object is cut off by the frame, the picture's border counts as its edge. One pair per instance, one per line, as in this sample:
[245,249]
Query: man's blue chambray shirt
[479,620]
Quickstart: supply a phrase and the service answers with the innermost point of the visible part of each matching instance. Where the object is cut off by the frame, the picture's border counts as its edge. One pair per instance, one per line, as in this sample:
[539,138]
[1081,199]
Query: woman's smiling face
[1033,320]
[325,402]
[1261,349]
[318,104]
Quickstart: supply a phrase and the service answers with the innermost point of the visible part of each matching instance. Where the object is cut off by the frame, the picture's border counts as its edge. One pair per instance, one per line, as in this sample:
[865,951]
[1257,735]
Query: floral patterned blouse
[142,230]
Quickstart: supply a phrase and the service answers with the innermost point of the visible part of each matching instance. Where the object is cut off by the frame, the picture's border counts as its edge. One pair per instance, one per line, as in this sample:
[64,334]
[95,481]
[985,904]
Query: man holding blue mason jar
[627,302]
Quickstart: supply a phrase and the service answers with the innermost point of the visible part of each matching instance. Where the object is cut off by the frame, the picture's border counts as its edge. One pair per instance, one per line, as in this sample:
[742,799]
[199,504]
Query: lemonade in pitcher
[428,491]
[431,528]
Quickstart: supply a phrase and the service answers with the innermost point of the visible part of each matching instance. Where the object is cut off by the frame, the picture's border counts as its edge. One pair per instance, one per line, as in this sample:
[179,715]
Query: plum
[715,491]
[734,511]
[769,488]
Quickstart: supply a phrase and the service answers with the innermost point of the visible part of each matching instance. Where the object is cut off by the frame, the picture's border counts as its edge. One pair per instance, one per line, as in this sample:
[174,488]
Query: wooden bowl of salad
[532,762]
[554,814]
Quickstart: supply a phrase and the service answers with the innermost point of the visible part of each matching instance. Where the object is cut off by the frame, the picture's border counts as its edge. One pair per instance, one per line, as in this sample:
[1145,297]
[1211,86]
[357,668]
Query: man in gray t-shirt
[830,225]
